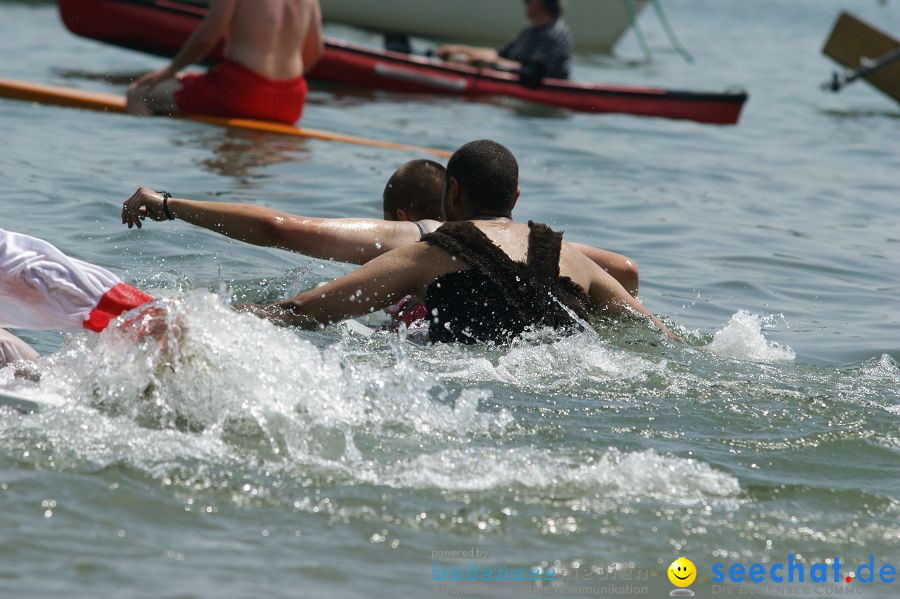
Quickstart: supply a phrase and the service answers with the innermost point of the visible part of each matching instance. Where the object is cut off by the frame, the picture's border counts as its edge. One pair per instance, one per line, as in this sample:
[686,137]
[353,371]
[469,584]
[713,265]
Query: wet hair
[415,187]
[487,173]
[554,7]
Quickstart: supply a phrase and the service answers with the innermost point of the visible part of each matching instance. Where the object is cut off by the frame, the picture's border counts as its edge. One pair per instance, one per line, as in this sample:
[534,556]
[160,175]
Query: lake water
[273,463]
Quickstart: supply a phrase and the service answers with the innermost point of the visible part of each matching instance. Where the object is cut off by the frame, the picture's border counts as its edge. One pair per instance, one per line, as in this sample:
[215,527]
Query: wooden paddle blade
[852,40]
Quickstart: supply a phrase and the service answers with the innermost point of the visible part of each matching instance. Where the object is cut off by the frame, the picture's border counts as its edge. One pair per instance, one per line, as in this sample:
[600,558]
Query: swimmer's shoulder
[428,226]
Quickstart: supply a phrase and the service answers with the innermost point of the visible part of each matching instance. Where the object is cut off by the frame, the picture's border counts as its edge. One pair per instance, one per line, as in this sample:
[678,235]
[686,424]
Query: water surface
[265,461]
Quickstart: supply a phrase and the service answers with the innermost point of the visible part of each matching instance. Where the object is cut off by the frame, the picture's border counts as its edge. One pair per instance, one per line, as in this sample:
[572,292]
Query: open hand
[142,204]
[151,79]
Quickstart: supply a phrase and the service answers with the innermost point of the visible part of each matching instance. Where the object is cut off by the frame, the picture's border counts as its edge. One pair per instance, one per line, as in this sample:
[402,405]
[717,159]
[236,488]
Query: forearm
[312,54]
[609,297]
[504,63]
[200,43]
[664,328]
[470,53]
[371,287]
[250,224]
[348,240]
[280,314]
[622,305]
[353,240]
[636,306]
[622,268]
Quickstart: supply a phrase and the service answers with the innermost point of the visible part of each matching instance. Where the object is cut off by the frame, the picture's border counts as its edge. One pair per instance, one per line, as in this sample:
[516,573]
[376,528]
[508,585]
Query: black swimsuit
[497,299]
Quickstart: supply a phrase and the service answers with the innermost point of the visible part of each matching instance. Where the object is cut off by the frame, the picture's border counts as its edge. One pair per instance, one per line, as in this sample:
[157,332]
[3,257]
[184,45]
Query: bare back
[512,238]
[270,36]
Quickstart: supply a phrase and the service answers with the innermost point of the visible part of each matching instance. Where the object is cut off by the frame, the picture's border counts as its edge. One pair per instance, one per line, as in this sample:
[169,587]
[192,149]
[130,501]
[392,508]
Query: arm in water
[609,297]
[354,240]
[409,271]
[622,268]
[373,286]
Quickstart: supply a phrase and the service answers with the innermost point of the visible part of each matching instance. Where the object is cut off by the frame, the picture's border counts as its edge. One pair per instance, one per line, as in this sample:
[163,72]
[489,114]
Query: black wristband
[166,210]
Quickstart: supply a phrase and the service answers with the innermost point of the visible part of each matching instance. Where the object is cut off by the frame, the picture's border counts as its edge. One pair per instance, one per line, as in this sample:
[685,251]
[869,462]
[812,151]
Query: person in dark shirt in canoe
[544,49]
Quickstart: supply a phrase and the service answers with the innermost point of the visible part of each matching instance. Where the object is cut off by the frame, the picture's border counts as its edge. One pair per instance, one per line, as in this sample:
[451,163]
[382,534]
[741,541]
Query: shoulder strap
[544,246]
[468,243]
[465,240]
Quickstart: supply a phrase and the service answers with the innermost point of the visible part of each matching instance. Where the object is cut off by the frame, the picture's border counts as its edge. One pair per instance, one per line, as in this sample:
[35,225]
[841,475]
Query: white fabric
[42,288]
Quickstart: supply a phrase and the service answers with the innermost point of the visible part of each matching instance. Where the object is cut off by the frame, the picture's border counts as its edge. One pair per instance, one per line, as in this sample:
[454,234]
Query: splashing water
[218,387]
[742,339]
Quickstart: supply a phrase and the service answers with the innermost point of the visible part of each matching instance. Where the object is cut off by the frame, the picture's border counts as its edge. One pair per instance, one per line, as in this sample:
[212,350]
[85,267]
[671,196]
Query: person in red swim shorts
[269,45]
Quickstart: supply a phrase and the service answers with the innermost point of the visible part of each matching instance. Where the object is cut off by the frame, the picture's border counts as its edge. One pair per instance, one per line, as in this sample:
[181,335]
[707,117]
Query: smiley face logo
[682,572]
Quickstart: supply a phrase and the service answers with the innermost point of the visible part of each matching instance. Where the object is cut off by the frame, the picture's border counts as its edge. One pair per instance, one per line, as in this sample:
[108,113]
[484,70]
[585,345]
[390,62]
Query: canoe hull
[161,26]
[596,24]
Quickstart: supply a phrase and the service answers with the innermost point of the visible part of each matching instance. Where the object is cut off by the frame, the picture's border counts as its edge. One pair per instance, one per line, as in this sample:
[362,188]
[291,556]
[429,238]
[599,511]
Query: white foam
[884,369]
[742,339]
[614,474]
[217,382]
[545,363]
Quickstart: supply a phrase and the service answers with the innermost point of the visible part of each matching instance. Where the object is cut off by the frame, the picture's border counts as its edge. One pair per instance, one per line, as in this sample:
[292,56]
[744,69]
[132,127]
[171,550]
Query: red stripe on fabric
[121,298]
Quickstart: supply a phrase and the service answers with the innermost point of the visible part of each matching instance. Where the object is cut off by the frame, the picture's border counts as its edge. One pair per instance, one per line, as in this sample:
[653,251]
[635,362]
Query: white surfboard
[28,402]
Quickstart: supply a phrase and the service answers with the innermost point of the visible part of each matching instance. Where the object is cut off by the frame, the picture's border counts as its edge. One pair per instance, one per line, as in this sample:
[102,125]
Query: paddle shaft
[840,80]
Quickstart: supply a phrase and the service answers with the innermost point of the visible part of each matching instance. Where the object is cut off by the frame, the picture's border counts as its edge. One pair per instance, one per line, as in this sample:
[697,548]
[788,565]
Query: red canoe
[161,26]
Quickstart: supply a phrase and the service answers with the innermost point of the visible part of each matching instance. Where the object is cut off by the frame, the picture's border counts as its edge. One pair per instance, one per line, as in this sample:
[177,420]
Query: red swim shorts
[232,90]
[120,298]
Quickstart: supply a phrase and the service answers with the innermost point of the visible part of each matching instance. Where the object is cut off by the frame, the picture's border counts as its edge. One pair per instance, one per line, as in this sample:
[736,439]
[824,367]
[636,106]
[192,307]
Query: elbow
[631,277]
[312,55]
[275,232]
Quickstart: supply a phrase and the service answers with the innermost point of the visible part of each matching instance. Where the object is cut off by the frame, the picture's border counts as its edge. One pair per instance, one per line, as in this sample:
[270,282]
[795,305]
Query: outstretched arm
[622,268]
[354,240]
[370,287]
[609,297]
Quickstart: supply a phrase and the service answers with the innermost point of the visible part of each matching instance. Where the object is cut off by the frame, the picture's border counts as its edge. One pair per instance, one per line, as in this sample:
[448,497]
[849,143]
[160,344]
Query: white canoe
[596,24]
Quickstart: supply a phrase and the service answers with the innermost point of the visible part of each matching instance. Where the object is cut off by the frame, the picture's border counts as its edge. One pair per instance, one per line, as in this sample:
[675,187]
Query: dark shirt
[547,49]
[497,299]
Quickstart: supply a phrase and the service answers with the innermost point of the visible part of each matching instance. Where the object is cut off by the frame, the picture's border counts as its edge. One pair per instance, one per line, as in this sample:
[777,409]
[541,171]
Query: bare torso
[268,36]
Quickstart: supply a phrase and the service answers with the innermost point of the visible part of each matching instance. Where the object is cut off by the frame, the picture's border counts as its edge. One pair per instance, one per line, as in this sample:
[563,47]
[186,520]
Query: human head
[482,178]
[414,191]
[542,11]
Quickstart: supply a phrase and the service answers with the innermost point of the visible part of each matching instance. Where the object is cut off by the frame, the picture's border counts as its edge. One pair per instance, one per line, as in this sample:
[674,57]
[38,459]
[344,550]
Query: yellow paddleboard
[74,98]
